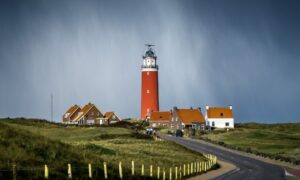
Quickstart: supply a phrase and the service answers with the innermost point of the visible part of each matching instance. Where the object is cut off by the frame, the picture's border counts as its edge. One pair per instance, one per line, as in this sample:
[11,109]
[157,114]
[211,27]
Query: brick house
[160,119]
[71,114]
[187,118]
[89,115]
[111,117]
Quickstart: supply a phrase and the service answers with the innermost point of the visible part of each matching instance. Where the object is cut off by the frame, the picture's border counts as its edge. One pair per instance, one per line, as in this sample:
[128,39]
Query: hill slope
[32,143]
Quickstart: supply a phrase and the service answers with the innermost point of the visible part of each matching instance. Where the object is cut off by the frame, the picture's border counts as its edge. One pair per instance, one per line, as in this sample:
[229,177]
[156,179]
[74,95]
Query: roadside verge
[290,169]
[225,168]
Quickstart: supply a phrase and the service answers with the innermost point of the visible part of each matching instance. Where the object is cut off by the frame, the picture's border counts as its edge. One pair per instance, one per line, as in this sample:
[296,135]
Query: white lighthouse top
[149,62]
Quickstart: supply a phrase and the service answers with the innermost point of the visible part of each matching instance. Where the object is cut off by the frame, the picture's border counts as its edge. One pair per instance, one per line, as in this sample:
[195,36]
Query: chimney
[175,108]
[207,107]
[191,108]
[199,108]
[230,107]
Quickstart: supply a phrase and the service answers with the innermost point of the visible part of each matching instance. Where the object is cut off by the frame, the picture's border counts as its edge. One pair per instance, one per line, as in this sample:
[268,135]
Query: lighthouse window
[148,91]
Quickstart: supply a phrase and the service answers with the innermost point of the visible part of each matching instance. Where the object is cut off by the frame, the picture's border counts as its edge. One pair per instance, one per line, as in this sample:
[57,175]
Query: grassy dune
[32,143]
[277,139]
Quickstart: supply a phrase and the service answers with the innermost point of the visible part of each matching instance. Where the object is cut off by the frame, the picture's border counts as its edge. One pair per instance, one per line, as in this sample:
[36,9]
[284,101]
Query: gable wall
[220,122]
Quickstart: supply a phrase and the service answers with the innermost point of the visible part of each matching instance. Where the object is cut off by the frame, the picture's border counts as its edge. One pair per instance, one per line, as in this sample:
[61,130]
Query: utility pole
[51,107]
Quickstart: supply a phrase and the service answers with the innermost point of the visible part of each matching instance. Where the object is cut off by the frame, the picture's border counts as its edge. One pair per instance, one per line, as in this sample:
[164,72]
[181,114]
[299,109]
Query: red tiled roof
[108,114]
[219,112]
[160,116]
[72,110]
[189,116]
[84,111]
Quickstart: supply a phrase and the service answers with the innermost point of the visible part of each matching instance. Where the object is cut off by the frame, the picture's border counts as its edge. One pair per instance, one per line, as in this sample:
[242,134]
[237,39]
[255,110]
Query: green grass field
[277,139]
[32,143]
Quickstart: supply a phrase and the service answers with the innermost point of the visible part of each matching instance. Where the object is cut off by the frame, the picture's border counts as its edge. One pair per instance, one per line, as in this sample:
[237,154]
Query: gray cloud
[209,52]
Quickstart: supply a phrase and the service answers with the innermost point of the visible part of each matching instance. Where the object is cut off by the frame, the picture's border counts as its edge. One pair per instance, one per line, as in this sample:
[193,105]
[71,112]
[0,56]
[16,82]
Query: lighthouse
[149,94]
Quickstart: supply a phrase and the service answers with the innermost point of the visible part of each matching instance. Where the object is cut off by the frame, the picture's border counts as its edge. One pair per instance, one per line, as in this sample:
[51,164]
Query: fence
[153,171]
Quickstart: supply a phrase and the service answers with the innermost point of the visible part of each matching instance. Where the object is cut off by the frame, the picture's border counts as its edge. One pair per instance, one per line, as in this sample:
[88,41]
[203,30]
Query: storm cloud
[217,53]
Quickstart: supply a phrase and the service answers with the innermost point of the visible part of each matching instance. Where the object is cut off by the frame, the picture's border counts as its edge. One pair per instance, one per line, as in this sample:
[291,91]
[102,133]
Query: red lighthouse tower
[149,83]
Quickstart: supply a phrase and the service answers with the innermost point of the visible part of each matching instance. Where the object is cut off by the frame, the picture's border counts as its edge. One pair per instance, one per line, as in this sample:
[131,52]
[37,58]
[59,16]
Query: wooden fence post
[120,170]
[69,171]
[151,170]
[170,174]
[200,167]
[164,174]
[46,173]
[90,171]
[105,170]
[188,169]
[176,172]
[183,170]
[158,173]
[14,171]
[216,159]
[142,169]
[132,168]
[180,172]
[192,168]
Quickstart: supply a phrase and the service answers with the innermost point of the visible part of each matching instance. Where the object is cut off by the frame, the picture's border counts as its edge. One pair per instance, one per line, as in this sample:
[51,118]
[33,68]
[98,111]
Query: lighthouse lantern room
[149,83]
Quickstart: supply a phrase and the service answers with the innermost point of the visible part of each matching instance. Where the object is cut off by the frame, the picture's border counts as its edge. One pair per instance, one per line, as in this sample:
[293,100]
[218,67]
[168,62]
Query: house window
[213,123]
[201,127]
[194,126]
[92,113]
[227,124]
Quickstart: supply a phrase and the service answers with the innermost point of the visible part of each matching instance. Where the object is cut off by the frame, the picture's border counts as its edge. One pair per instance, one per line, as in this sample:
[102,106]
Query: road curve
[248,168]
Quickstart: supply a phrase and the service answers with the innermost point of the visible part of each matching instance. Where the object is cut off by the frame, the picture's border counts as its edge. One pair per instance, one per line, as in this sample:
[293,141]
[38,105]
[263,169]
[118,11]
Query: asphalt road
[248,168]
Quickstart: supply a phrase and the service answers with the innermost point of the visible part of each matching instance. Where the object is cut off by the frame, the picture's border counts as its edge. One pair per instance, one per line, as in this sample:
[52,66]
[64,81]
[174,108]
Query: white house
[219,117]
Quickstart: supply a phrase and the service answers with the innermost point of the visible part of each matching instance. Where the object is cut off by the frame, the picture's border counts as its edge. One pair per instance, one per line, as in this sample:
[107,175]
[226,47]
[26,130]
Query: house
[111,117]
[160,119]
[70,114]
[219,117]
[89,115]
[187,118]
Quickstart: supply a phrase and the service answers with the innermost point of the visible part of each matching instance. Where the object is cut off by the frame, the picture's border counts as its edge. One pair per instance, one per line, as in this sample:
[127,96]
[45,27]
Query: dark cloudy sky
[217,53]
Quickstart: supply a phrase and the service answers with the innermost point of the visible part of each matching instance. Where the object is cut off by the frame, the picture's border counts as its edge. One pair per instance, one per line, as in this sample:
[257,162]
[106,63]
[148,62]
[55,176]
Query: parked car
[179,133]
[150,131]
